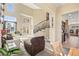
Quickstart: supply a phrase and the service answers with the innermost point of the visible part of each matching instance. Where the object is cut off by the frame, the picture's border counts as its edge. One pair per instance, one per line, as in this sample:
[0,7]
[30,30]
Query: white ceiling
[58,4]
[35,5]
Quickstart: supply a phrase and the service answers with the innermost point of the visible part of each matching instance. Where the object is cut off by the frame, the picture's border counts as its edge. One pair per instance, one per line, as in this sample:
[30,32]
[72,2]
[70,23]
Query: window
[10,7]
[10,23]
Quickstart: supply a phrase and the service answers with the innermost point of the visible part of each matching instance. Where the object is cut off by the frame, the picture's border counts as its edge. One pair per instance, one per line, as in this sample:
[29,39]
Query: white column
[52,28]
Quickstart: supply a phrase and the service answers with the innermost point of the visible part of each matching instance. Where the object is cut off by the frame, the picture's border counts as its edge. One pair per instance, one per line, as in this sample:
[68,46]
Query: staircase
[41,26]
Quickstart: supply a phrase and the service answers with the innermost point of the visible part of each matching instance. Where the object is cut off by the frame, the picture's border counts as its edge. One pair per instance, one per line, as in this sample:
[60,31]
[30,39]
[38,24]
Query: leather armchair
[37,45]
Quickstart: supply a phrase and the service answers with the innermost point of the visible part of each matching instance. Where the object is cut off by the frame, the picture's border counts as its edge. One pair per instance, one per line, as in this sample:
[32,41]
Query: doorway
[65,31]
[70,29]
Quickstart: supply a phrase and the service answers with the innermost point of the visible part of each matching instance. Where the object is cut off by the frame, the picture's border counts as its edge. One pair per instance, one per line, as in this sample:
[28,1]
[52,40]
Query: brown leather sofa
[37,45]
